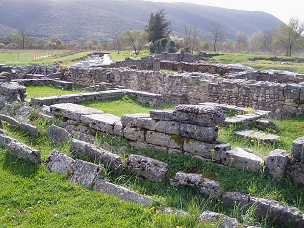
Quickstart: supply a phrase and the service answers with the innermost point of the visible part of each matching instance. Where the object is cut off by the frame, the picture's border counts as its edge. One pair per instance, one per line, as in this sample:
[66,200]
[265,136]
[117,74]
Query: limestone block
[256,135]
[203,115]
[83,137]
[165,115]
[296,172]
[134,134]
[205,134]
[191,179]
[58,135]
[73,111]
[83,149]
[86,173]
[218,219]
[232,199]
[118,128]
[162,139]
[101,122]
[171,211]
[140,120]
[122,193]
[209,187]
[212,151]
[9,120]
[277,212]
[13,91]
[169,127]
[148,168]
[298,149]
[147,146]
[33,130]
[241,159]
[292,91]
[59,163]
[19,149]
[276,163]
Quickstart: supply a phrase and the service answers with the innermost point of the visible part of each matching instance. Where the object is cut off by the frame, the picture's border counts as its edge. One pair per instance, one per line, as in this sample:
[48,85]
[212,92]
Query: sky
[284,10]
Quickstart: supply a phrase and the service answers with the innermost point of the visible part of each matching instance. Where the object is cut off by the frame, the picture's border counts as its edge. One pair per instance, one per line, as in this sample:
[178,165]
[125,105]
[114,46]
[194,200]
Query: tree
[135,38]
[24,35]
[158,27]
[216,34]
[288,35]
[56,43]
[191,37]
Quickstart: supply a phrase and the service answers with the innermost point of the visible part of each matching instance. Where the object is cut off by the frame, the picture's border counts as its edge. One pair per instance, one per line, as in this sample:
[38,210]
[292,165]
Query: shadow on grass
[17,166]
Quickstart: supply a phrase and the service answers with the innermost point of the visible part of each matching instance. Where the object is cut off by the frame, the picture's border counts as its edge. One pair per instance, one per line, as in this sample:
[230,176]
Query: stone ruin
[189,129]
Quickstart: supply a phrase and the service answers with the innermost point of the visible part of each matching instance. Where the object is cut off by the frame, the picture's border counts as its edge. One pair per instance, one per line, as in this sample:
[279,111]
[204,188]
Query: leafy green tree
[158,27]
[288,35]
[135,38]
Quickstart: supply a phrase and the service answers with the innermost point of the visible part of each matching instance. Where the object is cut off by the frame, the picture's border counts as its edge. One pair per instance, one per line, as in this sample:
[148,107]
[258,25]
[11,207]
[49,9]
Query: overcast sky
[284,10]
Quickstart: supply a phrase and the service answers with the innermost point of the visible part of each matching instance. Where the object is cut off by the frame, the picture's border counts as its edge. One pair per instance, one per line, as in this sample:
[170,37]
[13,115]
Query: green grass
[46,91]
[122,105]
[34,197]
[26,57]
[234,58]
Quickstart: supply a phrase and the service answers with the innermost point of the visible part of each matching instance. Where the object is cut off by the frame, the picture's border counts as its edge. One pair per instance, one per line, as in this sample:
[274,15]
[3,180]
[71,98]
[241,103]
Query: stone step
[256,135]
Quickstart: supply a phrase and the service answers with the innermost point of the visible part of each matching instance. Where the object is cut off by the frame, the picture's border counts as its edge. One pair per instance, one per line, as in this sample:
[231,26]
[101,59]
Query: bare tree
[24,35]
[288,35]
[191,37]
[216,34]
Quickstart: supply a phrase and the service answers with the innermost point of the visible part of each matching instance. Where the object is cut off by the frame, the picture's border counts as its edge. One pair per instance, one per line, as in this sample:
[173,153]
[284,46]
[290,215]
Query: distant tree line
[287,39]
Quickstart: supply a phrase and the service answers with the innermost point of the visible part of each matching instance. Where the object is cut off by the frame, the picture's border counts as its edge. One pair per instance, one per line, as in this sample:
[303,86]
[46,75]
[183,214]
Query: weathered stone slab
[12,91]
[122,193]
[148,168]
[118,128]
[212,151]
[134,134]
[209,187]
[73,111]
[232,199]
[274,211]
[8,120]
[58,135]
[33,130]
[298,148]
[83,137]
[292,91]
[203,115]
[259,136]
[85,173]
[101,122]
[59,163]
[218,219]
[241,159]
[171,211]
[276,163]
[140,120]
[162,139]
[205,134]
[169,127]
[147,146]
[108,159]
[20,150]
[165,115]
[296,172]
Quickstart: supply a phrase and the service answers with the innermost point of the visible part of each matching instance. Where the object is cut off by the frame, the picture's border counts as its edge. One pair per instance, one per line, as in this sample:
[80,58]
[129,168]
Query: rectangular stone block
[162,139]
[59,163]
[134,134]
[205,134]
[276,163]
[211,151]
[140,120]
[148,168]
[86,173]
[240,159]
[165,115]
[83,149]
[298,148]
[73,111]
[203,115]
[122,193]
[169,127]
[101,122]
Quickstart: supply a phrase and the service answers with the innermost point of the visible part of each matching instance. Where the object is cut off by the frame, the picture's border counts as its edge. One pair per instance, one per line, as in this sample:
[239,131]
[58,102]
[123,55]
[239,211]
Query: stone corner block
[277,162]
[59,163]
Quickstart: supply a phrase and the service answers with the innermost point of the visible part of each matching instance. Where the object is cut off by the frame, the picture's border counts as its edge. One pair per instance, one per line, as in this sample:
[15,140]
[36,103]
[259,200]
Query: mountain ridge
[86,19]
